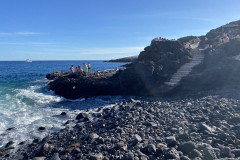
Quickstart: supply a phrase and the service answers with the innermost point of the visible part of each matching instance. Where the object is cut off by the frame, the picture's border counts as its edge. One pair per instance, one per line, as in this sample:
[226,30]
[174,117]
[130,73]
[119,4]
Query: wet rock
[41,128]
[22,143]
[11,128]
[83,117]
[63,114]
[42,150]
[9,144]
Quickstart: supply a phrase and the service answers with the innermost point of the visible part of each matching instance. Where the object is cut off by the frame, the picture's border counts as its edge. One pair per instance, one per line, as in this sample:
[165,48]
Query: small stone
[195,153]
[171,141]
[55,157]
[98,156]
[206,127]
[184,158]
[159,152]
[128,156]
[187,147]
[209,153]
[236,152]
[119,145]
[151,149]
[93,136]
[136,139]
[42,150]
[39,158]
[225,152]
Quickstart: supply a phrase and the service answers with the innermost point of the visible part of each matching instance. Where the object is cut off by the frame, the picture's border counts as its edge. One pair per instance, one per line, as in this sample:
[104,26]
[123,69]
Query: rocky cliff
[144,77]
[219,70]
[157,63]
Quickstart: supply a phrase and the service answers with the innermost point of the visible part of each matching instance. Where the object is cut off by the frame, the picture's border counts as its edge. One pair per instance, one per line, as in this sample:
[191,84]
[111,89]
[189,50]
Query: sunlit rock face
[154,66]
[219,70]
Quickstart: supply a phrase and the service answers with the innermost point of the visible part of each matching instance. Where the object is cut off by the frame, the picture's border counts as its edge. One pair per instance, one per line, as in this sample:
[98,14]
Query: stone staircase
[184,70]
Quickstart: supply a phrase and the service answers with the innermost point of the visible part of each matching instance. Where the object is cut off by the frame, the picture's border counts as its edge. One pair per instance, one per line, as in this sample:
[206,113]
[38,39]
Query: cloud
[99,51]
[27,43]
[122,50]
[18,33]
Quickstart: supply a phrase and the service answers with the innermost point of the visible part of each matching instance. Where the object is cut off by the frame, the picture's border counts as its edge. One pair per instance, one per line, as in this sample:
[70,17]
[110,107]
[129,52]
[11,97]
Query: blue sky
[102,29]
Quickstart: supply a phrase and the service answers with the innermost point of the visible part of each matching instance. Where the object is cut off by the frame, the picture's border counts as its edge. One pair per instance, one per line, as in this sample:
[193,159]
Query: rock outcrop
[144,77]
[155,65]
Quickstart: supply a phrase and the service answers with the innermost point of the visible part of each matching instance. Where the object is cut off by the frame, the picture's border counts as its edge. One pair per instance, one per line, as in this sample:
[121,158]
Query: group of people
[226,37]
[78,69]
[159,39]
[87,69]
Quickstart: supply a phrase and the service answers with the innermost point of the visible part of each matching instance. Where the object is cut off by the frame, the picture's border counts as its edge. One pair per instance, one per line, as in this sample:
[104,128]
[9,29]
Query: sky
[102,29]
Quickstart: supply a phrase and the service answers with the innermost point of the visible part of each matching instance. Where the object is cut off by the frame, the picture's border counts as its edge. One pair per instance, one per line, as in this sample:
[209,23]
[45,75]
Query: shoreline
[202,126]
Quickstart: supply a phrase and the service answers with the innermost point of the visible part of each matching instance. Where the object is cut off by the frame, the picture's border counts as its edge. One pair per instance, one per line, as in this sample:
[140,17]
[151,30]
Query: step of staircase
[185,69]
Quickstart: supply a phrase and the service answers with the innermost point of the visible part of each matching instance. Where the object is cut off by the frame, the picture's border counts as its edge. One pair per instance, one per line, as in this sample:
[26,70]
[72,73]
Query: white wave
[37,97]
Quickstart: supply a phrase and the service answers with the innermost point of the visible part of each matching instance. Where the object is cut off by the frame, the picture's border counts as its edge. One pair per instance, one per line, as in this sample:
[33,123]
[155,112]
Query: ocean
[26,103]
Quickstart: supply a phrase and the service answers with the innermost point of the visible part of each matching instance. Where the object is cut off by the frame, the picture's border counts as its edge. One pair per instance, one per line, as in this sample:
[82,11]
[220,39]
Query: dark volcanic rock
[56,75]
[63,114]
[41,128]
[83,117]
[154,66]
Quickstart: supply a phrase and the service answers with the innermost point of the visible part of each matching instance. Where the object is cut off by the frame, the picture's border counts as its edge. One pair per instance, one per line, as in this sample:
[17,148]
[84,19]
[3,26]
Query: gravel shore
[203,127]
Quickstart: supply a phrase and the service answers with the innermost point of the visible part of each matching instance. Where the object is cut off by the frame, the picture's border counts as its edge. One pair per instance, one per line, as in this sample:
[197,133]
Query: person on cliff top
[72,69]
[85,68]
[115,70]
[89,67]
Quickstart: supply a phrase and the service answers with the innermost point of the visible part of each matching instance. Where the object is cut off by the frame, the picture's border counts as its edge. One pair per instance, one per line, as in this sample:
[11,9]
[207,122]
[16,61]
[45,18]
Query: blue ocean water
[26,103]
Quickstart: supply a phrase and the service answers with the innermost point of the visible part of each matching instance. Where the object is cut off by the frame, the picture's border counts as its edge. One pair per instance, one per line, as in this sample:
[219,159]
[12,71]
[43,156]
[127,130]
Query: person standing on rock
[89,67]
[72,69]
[80,70]
[85,68]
